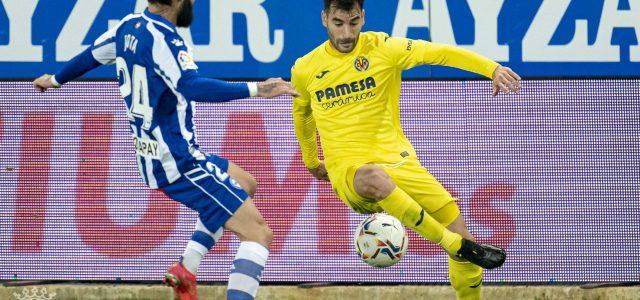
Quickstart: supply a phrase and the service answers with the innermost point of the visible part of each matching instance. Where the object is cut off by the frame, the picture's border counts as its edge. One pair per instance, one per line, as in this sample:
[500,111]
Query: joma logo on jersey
[346,89]
[146,148]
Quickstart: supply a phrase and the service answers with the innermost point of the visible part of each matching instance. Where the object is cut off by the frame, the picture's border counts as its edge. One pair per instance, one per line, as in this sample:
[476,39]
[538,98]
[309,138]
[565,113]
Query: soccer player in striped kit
[158,80]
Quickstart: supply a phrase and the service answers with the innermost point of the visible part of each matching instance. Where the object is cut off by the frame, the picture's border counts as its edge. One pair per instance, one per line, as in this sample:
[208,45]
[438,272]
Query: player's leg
[194,191]
[255,239]
[374,184]
[216,196]
[247,223]
[466,277]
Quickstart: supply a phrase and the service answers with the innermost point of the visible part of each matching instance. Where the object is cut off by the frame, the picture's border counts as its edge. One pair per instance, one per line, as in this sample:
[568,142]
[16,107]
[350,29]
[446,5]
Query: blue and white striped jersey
[158,80]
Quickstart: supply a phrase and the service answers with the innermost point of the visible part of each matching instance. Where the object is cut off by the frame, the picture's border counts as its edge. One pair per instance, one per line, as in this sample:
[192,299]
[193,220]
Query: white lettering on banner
[69,43]
[407,17]
[485,15]
[614,18]
[141,5]
[536,48]
[20,48]
[221,46]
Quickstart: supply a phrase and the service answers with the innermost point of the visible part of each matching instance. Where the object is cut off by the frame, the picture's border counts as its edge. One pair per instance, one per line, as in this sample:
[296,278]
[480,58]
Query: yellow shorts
[410,176]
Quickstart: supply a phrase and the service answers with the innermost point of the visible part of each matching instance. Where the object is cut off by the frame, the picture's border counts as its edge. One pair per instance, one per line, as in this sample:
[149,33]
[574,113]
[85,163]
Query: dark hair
[165,2]
[342,4]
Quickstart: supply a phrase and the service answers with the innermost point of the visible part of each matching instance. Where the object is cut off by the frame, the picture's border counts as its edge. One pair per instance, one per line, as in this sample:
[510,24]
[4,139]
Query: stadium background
[551,174]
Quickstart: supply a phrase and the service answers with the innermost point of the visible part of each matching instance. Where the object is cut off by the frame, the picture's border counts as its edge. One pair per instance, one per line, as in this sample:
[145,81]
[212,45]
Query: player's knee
[373,183]
[267,236]
[263,234]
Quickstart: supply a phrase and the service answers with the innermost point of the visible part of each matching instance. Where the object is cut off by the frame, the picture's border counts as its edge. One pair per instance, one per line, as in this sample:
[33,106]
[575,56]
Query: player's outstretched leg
[182,275]
[466,277]
[373,183]
[255,239]
[218,191]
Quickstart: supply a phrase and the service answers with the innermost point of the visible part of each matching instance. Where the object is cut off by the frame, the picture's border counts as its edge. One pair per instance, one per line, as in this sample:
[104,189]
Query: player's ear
[325,18]
[363,16]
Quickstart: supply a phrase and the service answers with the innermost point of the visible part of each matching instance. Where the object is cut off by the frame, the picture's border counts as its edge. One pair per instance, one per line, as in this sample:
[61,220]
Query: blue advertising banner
[263,38]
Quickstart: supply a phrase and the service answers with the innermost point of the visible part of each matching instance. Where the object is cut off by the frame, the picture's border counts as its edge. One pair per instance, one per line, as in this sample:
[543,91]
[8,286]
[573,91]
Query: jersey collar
[159,20]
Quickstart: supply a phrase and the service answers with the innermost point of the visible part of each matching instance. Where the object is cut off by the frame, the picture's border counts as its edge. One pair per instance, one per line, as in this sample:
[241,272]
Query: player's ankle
[451,242]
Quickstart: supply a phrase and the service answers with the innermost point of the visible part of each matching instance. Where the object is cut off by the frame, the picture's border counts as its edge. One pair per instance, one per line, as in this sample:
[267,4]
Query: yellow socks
[400,205]
[466,279]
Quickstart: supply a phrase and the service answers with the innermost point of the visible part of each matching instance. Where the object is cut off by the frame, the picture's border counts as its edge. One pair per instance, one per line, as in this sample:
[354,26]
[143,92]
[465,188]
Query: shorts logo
[361,64]
[186,61]
[235,184]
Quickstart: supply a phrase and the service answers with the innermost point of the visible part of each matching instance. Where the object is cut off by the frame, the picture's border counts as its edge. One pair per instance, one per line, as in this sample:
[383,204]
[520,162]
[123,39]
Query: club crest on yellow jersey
[361,63]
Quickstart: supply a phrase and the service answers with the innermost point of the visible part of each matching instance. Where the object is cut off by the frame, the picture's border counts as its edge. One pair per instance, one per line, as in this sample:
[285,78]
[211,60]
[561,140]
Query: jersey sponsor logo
[146,148]
[361,64]
[186,61]
[346,89]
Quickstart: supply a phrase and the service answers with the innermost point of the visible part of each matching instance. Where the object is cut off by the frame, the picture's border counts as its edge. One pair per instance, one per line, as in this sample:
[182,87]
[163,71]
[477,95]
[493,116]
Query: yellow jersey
[352,99]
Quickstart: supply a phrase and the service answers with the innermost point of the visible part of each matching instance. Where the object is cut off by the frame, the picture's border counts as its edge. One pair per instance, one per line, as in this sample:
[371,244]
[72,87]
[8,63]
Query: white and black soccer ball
[380,240]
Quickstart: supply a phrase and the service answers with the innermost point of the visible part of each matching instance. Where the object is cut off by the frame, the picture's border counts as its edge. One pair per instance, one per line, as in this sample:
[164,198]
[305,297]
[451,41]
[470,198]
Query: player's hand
[274,87]
[43,83]
[320,172]
[505,80]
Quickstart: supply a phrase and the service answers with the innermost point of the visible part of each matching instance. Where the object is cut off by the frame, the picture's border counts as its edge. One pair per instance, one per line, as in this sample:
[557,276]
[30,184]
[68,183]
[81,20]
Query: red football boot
[182,282]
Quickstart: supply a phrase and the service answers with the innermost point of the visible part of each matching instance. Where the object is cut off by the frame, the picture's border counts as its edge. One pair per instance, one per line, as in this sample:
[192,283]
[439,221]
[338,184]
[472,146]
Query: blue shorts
[209,190]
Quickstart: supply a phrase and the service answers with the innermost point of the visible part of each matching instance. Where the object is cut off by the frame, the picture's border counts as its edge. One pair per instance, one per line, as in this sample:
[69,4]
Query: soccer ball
[381,240]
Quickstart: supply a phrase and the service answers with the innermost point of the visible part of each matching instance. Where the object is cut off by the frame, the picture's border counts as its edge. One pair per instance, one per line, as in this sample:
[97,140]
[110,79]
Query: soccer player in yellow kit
[349,92]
